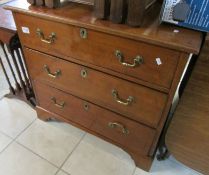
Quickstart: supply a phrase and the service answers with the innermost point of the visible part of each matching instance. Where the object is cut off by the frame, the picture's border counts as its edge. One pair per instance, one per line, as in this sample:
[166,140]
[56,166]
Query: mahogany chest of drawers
[111,80]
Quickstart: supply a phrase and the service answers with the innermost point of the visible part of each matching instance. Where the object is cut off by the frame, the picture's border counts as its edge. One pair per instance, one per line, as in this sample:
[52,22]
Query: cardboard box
[196,17]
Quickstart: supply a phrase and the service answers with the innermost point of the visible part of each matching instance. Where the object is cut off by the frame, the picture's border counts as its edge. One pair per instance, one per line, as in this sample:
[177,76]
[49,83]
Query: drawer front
[139,60]
[66,105]
[125,132]
[137,102]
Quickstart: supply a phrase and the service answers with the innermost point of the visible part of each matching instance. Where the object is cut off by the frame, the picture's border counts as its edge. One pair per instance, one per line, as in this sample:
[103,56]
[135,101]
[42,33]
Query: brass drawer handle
[48,40]
[128,101]
[138,60]
[59,105]
[113,125]
[55,75]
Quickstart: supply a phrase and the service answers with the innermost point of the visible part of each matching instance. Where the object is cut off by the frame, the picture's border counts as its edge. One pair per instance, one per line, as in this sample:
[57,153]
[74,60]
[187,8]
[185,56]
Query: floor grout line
[5,134]
[36,153]
[25,129]
[63,171]
[14,139]
[2,132]
[60,168]
[7,146]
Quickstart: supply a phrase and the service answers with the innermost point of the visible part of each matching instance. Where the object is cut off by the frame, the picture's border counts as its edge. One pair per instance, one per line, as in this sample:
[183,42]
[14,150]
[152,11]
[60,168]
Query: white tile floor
[29,146]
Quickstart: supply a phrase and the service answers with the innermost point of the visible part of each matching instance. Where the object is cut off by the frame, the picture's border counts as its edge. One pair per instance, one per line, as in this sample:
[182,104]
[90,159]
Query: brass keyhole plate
[86,106]
[83,33]
[83,73]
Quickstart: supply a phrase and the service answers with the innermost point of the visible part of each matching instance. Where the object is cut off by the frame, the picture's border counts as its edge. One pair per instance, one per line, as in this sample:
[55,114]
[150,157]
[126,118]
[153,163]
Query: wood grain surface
[102,8]
[136,10]
[138,139]
[92,50]
[188,135]
[151,32]
[90,69]
[148,104]
[117,11]
[141,161]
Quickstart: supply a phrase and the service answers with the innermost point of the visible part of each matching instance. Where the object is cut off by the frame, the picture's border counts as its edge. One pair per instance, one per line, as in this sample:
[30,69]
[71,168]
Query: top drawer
[139,60]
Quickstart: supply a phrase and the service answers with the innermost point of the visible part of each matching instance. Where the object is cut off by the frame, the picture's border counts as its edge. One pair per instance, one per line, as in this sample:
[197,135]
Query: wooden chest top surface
[151,31]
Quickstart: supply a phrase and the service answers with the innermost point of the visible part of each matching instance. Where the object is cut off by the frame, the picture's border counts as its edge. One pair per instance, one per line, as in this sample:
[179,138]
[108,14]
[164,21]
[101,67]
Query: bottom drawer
[125,132]
[66,105]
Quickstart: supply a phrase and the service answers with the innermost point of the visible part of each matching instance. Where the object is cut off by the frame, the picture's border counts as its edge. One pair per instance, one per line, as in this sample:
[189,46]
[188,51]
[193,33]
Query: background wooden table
[188,135]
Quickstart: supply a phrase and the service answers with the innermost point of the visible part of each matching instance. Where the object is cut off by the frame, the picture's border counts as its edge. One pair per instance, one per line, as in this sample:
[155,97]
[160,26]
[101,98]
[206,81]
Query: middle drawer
[129,99]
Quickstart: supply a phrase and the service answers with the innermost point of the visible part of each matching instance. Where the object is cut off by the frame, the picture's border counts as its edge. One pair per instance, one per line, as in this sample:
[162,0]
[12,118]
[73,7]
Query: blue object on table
[192,14]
